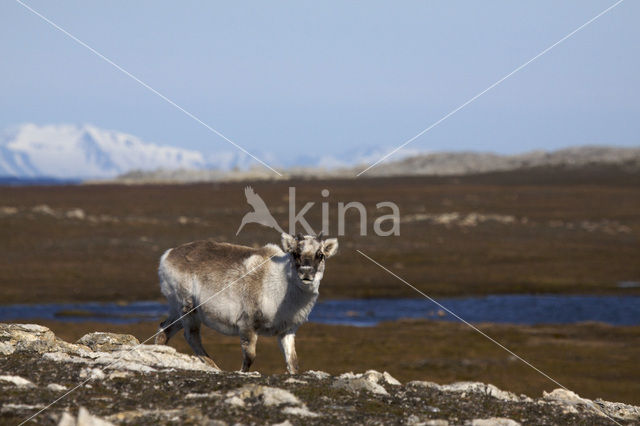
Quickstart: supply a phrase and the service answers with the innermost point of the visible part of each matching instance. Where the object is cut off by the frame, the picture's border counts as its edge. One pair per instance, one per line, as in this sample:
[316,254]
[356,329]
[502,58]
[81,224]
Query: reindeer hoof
[161,339]
[211,363]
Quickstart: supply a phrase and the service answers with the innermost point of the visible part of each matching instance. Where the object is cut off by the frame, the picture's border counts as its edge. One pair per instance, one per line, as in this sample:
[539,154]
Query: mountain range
[86,152]
[29,151]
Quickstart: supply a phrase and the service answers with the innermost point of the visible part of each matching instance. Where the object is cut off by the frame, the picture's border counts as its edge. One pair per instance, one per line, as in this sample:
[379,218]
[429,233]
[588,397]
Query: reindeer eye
[320,255]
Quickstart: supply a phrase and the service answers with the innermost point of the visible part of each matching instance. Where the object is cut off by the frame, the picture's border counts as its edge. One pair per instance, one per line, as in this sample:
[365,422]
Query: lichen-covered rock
[300,411]
[468,387]
[24,336]
[92,374]
[126,383]
[56,387]
[108,350]
[99,341]
[576,403]
[377,377]
[359,382]
[264,395]
[483,388]
[18,381]
[317,374]
[85,418]
[493,421]
[32,338]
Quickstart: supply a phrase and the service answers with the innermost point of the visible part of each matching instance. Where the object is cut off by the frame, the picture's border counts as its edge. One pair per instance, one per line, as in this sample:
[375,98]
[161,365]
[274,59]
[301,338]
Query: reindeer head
[309,254]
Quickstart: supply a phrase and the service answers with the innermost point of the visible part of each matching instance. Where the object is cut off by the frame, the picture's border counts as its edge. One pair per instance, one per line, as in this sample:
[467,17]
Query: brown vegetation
[543,231]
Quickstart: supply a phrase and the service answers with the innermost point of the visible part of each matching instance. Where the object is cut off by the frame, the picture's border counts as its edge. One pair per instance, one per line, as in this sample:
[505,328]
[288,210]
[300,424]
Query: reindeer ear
[289,243]
[330,247]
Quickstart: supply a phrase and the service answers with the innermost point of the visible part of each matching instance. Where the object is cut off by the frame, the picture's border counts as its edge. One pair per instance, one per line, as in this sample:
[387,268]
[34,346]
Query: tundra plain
[542,230]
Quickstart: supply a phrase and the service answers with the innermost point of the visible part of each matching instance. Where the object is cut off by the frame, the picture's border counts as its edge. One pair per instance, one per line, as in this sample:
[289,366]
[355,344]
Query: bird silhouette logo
[260,213]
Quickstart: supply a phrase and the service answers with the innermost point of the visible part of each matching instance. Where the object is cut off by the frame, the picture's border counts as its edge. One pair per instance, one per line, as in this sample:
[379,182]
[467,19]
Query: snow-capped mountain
[88,152]
[72,152]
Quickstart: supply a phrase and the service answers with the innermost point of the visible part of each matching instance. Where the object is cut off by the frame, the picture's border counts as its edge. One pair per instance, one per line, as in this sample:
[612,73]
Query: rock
[300,411]
[377,377]
[135,416]
[563,395]
[203,395]
[292,380]
[248,373]
[493,421]
[414,420]
[17,381]
[265,395]
[486,389]
[8,211]
[67,419]
[85,418]
[118,375]
[619,410]
[107,341]
[423,384]
[44,209]
[22,408]
[92,374]
[235,401]
[32,338]
[23,335]
[145,357]
[124,354]
[75,214]
[573,403]
[355,384]
[390,380]
[320,375]
[56,387]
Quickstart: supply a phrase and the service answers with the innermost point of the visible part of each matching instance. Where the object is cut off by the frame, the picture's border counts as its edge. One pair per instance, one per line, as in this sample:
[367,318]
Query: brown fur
[206,258]
[206,255]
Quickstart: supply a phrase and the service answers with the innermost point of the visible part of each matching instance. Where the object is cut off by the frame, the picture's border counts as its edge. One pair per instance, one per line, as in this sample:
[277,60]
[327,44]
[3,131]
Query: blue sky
[297,77]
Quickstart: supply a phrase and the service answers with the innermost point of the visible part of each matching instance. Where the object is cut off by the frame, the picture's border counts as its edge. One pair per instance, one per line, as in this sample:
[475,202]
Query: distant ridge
[464,163]
[432,164]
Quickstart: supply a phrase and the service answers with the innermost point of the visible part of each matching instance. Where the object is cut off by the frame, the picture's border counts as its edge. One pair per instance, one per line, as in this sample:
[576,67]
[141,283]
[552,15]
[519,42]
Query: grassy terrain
[557,232]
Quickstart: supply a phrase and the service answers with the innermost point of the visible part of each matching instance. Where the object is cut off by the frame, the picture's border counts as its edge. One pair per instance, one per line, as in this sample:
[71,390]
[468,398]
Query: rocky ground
[123,382]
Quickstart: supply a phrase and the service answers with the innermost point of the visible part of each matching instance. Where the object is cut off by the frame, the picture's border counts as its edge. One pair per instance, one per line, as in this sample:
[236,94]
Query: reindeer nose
[306,271]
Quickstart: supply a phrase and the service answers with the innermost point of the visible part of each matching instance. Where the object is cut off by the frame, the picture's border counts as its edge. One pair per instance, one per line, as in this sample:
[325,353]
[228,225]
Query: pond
[513,309]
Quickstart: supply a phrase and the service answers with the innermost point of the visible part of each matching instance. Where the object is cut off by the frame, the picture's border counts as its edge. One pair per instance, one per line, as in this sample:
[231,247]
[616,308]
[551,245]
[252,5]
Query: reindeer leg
[288,347]
[191,324]
[167,329]
[248,343]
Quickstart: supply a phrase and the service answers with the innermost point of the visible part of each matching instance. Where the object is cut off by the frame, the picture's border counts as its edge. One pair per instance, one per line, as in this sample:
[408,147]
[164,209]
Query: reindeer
[243,291]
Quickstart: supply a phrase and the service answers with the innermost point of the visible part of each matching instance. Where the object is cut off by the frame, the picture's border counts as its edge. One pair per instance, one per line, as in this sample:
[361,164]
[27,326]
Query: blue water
[17,181]
[514,309]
